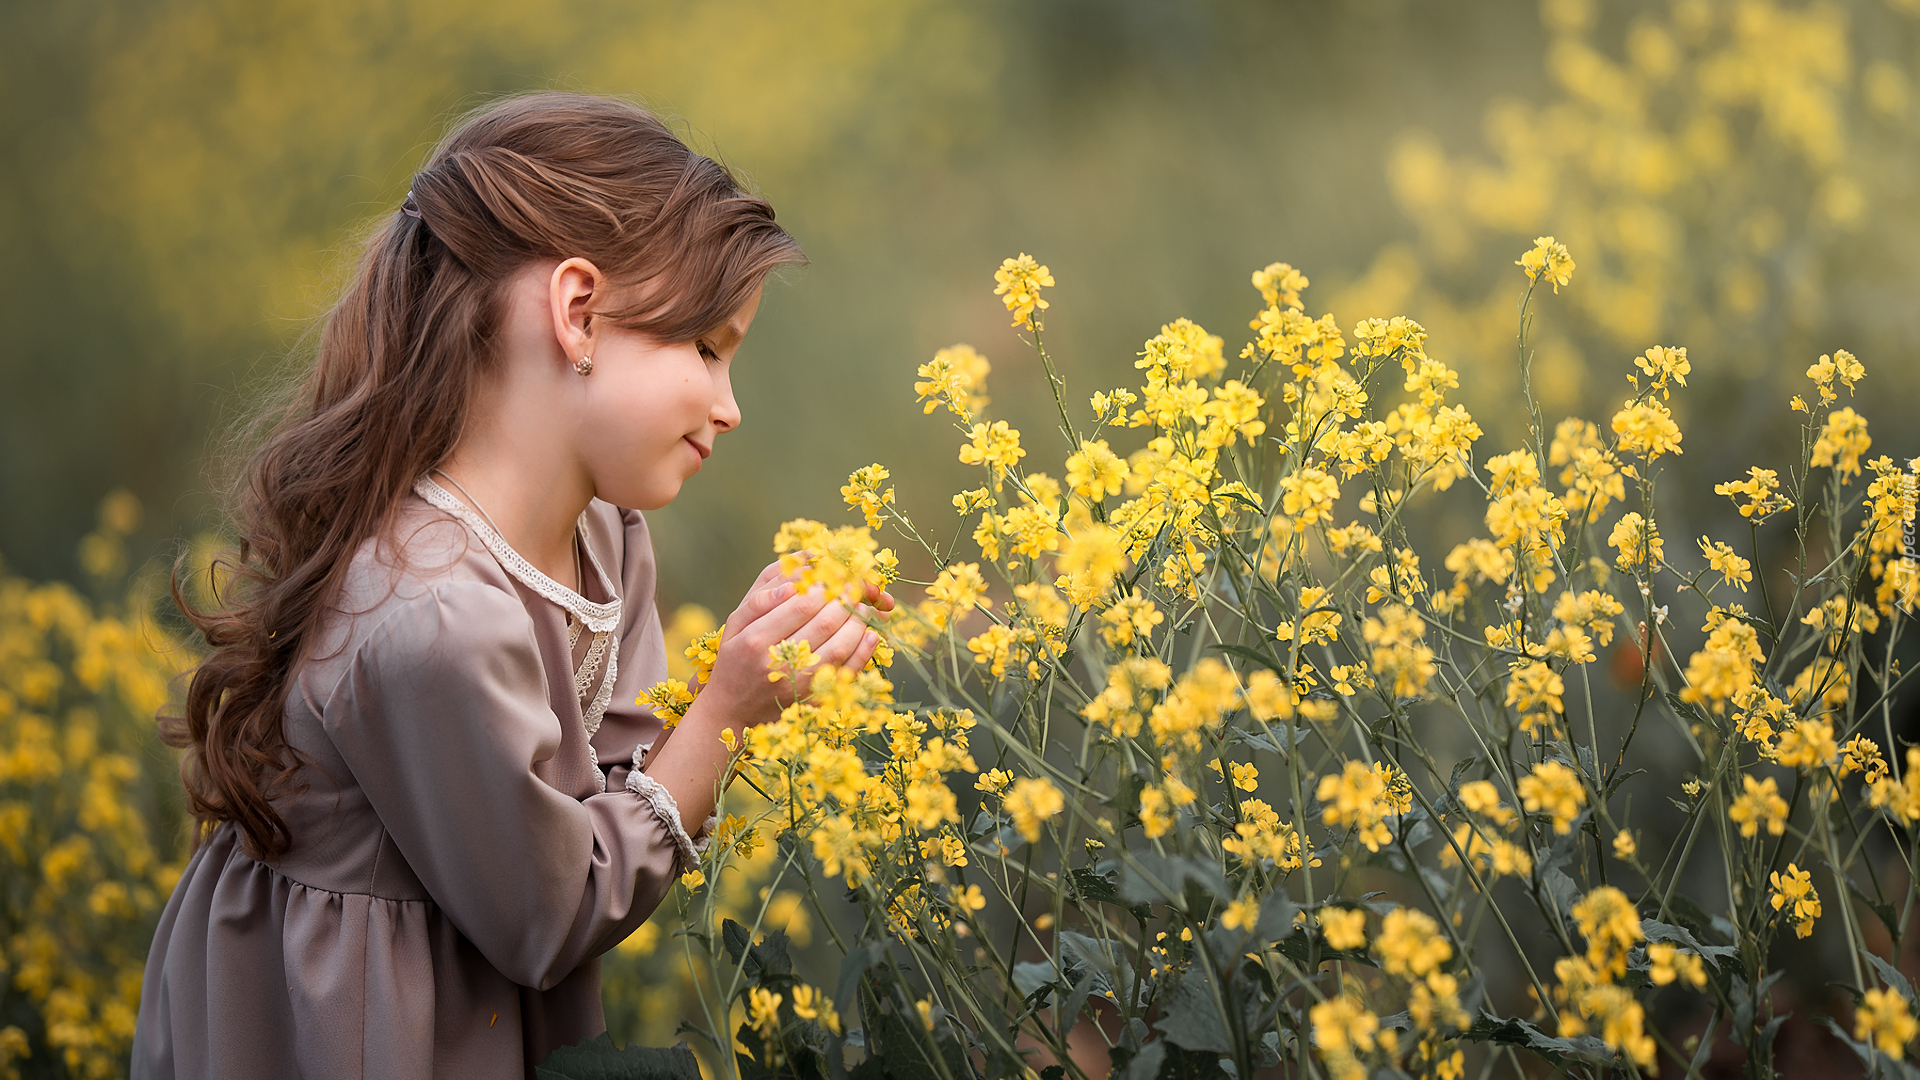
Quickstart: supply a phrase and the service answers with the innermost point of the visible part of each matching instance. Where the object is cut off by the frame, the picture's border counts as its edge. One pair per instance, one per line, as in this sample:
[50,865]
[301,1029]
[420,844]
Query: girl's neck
[536,519]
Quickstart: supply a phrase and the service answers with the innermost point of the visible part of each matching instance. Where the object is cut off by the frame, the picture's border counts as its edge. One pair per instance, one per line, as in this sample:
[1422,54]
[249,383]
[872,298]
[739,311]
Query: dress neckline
[598,617]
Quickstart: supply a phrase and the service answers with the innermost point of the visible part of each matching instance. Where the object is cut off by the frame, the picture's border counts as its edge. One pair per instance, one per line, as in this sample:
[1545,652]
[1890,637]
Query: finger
[879,597]
[759,603]
[820,629]
[839,648]
[863,652]
[796,611]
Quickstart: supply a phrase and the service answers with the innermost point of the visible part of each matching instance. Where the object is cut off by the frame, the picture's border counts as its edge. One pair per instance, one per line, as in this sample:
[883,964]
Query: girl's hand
[772,612]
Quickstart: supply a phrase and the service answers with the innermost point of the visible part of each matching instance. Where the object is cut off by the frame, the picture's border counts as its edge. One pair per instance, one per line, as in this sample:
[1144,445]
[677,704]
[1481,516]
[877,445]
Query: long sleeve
[443,716]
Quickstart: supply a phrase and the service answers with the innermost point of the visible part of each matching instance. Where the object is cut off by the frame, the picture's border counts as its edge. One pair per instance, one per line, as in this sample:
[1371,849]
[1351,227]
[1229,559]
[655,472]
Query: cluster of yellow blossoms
[89,836]
[1249,671]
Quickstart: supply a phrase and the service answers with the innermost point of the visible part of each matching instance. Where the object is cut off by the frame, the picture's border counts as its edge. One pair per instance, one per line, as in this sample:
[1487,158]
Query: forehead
[735,328]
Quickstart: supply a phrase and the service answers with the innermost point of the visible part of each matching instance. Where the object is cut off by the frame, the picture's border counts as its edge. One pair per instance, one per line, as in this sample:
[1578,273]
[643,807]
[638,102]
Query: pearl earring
[584,366]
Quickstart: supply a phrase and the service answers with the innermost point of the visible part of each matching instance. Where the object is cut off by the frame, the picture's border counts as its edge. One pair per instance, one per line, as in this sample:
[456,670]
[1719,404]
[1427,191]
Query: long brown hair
[540,176]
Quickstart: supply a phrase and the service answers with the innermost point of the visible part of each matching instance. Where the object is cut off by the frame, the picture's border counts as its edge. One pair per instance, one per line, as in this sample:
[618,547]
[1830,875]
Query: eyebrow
[728,334]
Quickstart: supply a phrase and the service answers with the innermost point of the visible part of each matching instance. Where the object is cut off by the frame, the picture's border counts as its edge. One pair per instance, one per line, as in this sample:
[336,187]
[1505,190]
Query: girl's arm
[444,720]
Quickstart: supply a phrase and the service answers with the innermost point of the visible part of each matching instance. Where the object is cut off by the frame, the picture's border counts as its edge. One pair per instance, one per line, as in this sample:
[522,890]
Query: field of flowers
[1289,717]
[92,834]
[1176,776]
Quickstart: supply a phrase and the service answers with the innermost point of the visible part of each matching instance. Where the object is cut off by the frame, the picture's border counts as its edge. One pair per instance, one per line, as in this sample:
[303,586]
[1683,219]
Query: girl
[429,799]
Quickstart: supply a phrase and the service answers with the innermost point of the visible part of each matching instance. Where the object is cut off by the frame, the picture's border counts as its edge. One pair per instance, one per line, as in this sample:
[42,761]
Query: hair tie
[408,208]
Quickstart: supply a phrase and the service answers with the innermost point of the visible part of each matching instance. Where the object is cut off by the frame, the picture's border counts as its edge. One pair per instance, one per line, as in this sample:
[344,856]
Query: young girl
[433,800]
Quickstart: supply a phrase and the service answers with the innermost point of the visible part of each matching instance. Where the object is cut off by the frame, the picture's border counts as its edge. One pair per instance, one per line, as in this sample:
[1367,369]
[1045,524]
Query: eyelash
[707,352]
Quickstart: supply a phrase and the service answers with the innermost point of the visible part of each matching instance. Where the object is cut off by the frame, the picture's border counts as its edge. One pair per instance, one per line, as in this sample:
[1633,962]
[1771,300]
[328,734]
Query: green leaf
[1182,1064]
[1099,886]
[1253,656]
[1560,888]
[1878,1064]
[852,966]
[735,938]
[597,1059]
[1145,1065]
[1892,977]
[1511,1032]
[1680,935]
[1192,1020]
[1162,879]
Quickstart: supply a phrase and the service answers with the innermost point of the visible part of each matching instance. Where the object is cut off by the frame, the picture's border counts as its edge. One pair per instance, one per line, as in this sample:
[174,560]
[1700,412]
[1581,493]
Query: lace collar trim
[599,618]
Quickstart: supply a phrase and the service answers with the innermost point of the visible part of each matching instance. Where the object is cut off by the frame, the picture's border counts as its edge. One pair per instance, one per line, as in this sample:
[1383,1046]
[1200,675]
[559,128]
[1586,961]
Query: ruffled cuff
[668,811]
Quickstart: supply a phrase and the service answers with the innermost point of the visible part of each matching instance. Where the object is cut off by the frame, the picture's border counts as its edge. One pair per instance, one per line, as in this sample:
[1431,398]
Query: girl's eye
[706,352]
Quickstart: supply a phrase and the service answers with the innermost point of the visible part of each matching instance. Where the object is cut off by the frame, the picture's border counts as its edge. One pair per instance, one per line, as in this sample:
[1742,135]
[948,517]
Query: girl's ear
[575,289]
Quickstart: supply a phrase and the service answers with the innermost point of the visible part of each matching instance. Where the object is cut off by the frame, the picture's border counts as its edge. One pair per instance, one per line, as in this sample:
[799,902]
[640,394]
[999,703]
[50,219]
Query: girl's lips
[698,449]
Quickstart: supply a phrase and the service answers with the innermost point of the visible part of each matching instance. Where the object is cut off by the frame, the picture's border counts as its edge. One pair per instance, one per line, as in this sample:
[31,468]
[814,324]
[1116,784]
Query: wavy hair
[539,176]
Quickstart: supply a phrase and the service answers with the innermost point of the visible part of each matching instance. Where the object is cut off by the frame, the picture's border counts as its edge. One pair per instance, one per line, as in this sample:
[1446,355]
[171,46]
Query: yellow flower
[1900,798]
[863,493]
[1761,490]
[1511,472]
[1646,428]
[1246,777]
[994,445]
[1761,804]
[693,879]
[1030,802]
[1885,1019]
[669,701]
[812,1004]
[1638,540]
[1808,744]
[1093,558]
[1182,350]
[1343,1024]
[1733,569]
[1410,944]
[1398,653]
[993,781]
[763,1010]
[1841,443]
[1364,796]
[1018,283]
[1794,892]
[1548,258]
[956,378]
[1663,363]
[1669,962]
[954,593]
[1280,284]
[1130,619]
[1840,365]
[1095,471]
[1344,928]
[1241,914]
[1535,689]
[1481,797]
[1554,789]
[1611,926]
[1623,846]
[1307,498]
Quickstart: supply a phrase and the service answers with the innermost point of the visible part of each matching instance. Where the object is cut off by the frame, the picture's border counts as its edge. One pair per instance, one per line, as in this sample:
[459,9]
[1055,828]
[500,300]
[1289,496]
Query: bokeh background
[183,182]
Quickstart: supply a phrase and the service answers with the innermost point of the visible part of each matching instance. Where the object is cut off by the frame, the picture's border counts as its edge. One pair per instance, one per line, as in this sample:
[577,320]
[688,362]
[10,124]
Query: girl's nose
[725,413]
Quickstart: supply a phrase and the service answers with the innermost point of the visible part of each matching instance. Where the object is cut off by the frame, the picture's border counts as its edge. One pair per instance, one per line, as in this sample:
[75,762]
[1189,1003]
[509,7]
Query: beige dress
[459,859]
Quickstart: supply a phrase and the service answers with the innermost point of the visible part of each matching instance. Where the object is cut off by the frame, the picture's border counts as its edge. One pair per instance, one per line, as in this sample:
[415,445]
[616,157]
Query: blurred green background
[184,181]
